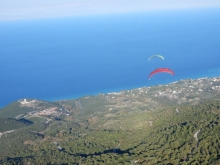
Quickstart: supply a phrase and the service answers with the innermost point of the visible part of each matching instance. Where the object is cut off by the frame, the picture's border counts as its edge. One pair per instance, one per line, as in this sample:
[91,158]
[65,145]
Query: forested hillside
[7,124]
[183,134]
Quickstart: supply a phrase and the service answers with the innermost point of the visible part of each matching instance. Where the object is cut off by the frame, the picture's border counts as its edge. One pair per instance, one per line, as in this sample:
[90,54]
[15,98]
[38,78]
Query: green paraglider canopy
[156,56]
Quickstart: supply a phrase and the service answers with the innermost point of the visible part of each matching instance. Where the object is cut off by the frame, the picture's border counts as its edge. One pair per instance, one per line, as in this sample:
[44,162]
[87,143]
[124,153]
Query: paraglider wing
[156,56]
[160,70]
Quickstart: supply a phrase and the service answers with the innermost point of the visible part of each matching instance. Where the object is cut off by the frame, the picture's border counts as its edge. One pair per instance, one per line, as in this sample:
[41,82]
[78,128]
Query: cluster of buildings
[38,112]
[179,91]
[192,89]
[52,111]
[48,112]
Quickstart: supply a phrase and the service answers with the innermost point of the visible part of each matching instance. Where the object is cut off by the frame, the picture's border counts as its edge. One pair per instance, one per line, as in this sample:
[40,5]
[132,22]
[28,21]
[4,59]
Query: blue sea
[66,58]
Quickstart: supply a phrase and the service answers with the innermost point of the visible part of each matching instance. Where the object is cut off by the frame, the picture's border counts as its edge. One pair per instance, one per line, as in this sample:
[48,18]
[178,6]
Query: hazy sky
[23,9]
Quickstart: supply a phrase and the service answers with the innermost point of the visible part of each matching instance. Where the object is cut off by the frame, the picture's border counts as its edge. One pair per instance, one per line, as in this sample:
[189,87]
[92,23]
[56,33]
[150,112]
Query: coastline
[116,90]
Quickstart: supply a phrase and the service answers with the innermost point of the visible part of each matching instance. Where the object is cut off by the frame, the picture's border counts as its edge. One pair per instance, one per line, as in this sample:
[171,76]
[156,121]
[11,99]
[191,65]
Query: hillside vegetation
[7,124]
[187,135]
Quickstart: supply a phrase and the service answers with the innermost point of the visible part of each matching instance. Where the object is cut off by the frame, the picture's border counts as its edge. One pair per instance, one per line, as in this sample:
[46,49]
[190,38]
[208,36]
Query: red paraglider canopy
[160,70]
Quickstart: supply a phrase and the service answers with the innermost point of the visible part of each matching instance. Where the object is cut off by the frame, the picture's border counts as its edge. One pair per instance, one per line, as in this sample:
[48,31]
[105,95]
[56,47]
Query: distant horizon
[193,10]
[27,9]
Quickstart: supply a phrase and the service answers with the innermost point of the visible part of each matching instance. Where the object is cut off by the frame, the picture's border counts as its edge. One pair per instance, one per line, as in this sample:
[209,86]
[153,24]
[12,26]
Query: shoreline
[107,91]
[124,89]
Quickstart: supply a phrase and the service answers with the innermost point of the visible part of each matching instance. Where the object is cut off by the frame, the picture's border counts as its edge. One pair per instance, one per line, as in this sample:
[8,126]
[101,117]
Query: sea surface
[65,58]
